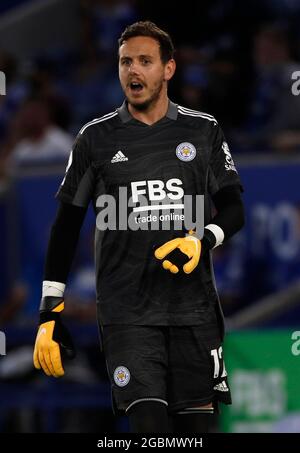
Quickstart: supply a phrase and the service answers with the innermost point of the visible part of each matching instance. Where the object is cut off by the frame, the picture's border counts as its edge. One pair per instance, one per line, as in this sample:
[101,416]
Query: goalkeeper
[160,319]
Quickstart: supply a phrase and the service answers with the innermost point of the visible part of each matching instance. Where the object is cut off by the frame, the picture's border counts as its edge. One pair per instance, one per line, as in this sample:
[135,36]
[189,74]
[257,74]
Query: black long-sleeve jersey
[141,180]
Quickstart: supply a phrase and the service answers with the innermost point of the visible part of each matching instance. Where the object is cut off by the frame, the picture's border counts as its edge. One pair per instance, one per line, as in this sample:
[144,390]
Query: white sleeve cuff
[217,232]
[54,289]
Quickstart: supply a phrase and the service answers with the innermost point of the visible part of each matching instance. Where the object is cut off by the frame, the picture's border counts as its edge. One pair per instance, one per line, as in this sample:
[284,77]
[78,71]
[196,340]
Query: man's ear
[170,68]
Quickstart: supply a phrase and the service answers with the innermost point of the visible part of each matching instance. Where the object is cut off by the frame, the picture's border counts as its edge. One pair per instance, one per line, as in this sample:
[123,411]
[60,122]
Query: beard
[153,98]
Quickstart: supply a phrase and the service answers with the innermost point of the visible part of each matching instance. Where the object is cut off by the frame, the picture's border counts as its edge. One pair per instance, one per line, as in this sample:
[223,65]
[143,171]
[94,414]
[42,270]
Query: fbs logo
[155,190]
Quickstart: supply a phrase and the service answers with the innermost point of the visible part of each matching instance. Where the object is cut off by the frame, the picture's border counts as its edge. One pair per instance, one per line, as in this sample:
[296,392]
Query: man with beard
[160,319]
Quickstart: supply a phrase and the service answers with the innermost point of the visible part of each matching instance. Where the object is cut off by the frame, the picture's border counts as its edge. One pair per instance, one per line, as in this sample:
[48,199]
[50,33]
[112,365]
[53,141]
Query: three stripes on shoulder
[189,112]
[106,117]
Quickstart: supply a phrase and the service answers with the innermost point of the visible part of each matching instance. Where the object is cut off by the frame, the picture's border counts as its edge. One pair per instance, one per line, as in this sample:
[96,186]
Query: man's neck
[155,112]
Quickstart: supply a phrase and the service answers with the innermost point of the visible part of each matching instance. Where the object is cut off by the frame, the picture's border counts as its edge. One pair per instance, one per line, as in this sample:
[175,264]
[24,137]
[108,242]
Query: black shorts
[179,366]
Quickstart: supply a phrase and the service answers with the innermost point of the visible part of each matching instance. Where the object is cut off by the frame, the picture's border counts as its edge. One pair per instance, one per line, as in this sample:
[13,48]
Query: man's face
[142,73]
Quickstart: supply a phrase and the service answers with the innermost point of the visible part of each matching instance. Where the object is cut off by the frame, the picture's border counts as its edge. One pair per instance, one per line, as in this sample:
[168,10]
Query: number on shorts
[217,355]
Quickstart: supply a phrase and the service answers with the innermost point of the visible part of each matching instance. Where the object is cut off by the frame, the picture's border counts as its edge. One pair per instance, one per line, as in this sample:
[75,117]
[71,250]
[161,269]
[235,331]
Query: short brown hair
[147,28]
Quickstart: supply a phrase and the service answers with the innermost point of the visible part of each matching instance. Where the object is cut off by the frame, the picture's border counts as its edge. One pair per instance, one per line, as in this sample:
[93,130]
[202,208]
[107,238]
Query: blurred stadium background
[236,60]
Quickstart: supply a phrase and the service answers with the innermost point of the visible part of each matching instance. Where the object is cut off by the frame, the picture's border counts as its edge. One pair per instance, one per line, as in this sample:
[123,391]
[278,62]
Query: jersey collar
[125,116]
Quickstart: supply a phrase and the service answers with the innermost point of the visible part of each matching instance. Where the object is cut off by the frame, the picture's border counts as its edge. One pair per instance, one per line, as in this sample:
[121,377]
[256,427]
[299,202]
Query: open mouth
[136,87]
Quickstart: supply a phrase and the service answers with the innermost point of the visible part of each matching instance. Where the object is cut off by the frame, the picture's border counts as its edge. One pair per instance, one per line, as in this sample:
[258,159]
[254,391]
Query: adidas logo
[119,157]
[222,387]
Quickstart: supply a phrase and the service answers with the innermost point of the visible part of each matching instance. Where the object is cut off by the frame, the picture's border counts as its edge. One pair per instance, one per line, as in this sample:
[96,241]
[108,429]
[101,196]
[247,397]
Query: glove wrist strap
[50,308]
[46,316]
[51,303]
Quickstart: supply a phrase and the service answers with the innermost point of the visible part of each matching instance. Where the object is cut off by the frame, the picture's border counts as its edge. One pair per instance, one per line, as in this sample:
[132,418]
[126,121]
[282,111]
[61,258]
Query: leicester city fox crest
[121,376]
[186,151]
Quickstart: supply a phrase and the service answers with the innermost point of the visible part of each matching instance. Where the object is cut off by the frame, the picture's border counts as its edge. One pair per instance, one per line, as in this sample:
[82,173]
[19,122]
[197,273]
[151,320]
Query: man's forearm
[63,242]
[229,219]
[53,338]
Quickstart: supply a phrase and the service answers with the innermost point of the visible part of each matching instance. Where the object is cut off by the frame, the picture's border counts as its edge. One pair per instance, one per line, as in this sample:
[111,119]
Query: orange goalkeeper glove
[53,341]
[190,246]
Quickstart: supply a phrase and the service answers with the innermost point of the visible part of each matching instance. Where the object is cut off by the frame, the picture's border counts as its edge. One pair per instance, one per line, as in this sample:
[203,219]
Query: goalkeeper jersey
[145,183]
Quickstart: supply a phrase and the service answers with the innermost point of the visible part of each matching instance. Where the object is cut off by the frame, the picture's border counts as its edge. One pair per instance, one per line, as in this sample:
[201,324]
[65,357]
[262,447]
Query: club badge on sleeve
[121,376]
